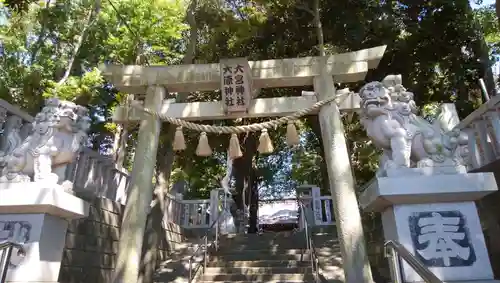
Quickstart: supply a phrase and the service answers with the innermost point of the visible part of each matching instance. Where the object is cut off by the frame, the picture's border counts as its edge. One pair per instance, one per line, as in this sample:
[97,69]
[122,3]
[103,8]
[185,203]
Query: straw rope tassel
[265,143]
[292,137]
[234,147]
[179,141]
[203,148]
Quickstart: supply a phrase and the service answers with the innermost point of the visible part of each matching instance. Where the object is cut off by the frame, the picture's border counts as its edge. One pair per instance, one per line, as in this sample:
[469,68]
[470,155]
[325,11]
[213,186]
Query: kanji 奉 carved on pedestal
[57,135]
[389,116]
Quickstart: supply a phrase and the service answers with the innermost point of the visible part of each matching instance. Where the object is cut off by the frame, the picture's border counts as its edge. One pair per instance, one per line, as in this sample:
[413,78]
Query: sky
[485,3]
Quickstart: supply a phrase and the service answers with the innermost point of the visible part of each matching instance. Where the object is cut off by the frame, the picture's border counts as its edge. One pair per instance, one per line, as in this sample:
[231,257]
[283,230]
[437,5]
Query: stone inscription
[235,84]
[441,239]
[16,231]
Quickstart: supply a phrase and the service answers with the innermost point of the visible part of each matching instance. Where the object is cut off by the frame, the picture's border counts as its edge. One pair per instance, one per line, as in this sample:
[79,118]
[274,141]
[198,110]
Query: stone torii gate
[321,72]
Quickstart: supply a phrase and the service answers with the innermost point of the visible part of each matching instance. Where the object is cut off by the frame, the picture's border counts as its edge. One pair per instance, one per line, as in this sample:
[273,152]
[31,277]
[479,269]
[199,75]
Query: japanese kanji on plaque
[441,239]
[235,84]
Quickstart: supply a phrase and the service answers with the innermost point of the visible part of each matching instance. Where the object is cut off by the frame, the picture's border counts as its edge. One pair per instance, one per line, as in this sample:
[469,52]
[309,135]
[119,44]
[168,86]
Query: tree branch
[41,36]
[319,28]
[90,19]
[303,7]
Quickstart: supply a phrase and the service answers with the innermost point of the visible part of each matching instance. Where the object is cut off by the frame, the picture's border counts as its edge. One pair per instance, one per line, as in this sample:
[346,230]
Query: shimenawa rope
[234,150]
[233,129]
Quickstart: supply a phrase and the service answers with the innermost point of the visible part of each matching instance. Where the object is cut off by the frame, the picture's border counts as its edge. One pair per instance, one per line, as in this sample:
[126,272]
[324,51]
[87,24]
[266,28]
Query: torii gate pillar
[348,218]
[140,191]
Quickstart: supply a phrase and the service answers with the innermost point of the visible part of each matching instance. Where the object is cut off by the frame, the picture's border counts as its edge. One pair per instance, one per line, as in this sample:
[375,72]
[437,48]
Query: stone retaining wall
[374,236]
[92,244]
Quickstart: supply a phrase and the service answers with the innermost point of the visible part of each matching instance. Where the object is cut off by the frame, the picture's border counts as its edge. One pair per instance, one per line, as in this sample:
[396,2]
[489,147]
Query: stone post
[433,216]
[36,199]
[349,227]
[423,190]
[140,192]
[35,215]
[308,195]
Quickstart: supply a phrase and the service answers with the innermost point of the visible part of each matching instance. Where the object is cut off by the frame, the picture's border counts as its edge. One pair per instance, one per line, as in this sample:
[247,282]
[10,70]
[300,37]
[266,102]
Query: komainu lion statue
[57,135]
[389,116]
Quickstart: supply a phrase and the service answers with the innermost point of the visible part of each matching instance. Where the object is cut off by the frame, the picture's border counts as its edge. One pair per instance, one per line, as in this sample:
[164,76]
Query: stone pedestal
[307,194]
[435,218]
[36,216]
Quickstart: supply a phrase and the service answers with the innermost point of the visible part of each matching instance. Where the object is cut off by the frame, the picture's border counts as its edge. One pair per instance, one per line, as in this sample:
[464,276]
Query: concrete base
[414,189]
[36,216]
[435,218]
[446,237]
[40,198]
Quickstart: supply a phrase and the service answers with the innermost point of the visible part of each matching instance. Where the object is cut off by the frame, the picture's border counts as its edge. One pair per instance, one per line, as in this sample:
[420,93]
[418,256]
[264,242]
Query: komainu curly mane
[389,116]
[58,133]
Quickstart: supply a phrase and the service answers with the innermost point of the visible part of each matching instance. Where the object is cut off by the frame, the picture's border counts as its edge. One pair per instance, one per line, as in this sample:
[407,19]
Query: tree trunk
[498,10]
[253,200]
[325,185]
[120,151]
[481,47]
[155,233]
[245,178]
[319,28]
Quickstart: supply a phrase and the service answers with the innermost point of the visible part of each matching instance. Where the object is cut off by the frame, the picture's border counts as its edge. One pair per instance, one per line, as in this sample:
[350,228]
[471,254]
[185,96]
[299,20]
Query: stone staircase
[270,257]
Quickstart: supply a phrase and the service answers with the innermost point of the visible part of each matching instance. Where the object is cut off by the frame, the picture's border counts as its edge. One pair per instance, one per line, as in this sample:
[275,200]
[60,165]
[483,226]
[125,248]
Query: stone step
[258,270]
[264,243]
[267,251]
[255,277]
[278,242]
[258,255]
[330,230]
[266,281]
[262,246]
[271,243]
[259,263]
[264,236]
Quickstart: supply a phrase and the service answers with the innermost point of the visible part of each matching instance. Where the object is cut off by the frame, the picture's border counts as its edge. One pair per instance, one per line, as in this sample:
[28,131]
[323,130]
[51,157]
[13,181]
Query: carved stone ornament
[389,116]
[57,135]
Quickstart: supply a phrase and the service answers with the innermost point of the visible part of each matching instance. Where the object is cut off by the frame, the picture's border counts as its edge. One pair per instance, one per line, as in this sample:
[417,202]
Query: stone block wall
[174,236]
[489,213]
[92,244]
[374,237]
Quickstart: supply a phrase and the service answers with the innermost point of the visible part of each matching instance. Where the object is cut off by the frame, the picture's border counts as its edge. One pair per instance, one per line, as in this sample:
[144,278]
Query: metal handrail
[393,249]
[204,239]
[310,244]
[7,247]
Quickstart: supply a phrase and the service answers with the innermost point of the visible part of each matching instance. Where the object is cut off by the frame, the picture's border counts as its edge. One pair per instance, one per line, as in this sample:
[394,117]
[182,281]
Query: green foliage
[201,174]
[306,158]
[41,39]
[489,23]
[85,85]
[439,54]
[149,34]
